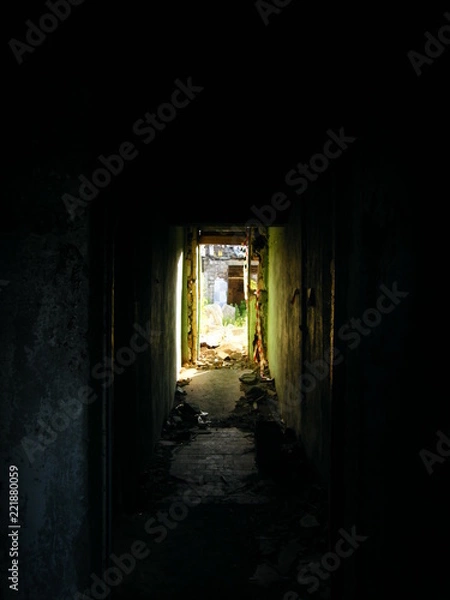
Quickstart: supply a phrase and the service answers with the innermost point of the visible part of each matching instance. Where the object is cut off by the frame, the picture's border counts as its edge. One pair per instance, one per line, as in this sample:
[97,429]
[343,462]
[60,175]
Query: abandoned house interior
[221,283]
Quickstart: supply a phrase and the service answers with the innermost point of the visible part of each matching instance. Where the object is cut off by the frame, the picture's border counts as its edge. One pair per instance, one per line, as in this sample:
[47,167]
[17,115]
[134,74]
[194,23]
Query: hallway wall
[299,340]
[147,256]
[364,437]
[50,404]
[376,254]
[79,95]
[285,317]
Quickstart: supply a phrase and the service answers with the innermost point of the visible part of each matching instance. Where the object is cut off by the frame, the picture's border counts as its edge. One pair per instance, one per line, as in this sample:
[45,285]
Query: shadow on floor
[224,511]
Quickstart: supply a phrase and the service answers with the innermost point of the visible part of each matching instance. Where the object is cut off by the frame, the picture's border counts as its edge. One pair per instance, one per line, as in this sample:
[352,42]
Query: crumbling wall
[191,283]
[258,311]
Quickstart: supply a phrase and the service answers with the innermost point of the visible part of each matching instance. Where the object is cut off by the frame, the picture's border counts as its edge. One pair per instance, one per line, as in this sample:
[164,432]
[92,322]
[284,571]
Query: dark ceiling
[270,93]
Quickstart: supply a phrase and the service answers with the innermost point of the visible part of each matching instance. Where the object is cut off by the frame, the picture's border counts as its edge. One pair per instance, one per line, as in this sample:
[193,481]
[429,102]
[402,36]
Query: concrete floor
[214,390]
[218,466]
[212,524]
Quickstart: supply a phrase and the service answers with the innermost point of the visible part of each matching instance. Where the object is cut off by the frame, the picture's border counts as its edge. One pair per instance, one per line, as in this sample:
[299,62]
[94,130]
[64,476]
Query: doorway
[227,280]
[220,303]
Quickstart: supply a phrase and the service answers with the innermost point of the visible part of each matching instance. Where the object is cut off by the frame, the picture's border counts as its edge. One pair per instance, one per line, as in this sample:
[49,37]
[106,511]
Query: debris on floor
[259,403]
[222,356]
[183,417]
[248,458]
[223,346]
[249,378]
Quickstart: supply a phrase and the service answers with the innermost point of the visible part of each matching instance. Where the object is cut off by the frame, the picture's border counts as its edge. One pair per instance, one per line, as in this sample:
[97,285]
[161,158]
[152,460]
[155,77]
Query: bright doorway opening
[227,280]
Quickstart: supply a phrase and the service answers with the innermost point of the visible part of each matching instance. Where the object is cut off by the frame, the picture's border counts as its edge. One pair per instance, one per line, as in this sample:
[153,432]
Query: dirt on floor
[228,506]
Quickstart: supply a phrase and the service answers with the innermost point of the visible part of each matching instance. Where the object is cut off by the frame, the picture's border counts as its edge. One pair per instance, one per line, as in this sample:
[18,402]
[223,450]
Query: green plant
[241,314]
[240,322]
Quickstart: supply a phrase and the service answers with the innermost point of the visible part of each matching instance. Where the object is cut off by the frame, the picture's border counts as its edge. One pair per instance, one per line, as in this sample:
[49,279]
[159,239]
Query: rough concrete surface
[215,391]
[213,523]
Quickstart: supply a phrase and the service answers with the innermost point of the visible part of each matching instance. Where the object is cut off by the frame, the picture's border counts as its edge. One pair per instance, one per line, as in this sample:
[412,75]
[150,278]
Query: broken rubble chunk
[266,379]
[264,575]
[189,409]
[309,521]
[255,391]
[228,311]
[213,313]
[202,422]
[248,378]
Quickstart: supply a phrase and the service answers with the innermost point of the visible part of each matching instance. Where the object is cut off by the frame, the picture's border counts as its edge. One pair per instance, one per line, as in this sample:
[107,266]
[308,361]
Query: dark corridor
[229,505]
[320,135]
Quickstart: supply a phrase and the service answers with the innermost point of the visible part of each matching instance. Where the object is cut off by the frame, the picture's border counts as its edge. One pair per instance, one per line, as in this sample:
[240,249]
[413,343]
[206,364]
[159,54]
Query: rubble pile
[185,418]
[222,344]
[290,530]
[258,403]
[222,356]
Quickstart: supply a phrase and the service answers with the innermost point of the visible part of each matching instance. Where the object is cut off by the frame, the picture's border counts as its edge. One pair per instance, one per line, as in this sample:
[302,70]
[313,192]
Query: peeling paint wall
[258,305]
[192,282]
